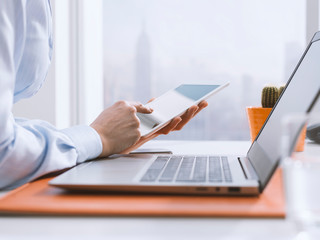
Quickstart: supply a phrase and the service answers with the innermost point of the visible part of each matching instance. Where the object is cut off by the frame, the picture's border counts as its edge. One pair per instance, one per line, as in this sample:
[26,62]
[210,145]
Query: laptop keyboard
[188,169]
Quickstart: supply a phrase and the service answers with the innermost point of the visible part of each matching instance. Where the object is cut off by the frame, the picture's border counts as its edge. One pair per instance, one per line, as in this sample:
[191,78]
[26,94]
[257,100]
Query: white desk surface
[34,228]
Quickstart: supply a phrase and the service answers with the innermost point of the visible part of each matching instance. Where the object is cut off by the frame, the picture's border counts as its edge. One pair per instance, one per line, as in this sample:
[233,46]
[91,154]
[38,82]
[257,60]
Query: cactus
[281,89]
[270,95]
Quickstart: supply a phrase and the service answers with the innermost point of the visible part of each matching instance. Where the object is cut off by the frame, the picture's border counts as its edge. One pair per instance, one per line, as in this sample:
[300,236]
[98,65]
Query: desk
[79,228]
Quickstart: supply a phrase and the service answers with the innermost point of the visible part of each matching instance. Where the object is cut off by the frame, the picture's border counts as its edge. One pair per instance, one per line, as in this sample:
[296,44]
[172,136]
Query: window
[108,50]
[151,46]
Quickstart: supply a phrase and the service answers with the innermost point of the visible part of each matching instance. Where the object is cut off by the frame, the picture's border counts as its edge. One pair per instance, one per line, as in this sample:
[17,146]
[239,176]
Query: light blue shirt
[31,148]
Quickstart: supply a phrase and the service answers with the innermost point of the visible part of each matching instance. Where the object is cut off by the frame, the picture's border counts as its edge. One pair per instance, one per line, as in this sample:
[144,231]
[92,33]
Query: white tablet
[174,103]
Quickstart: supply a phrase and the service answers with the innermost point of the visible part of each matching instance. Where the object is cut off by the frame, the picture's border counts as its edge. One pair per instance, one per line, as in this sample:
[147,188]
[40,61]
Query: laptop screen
[300,92]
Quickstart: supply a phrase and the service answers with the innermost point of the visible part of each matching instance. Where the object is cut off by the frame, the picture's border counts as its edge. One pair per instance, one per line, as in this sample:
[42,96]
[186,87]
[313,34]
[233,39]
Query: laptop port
[234,189]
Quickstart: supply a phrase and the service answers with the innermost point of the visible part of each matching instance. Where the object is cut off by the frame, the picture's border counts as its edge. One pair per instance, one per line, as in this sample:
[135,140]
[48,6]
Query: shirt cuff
[86,140]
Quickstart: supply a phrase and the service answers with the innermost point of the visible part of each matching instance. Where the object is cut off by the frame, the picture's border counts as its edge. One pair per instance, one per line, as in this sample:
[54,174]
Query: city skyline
[140,59]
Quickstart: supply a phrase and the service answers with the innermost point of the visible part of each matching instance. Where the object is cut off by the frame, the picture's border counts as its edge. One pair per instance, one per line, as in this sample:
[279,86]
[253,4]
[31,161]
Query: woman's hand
[175,125]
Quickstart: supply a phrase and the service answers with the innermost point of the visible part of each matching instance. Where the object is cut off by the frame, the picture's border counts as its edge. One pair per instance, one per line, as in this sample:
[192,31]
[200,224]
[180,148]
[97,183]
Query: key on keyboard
[155,169]
[185,169]
[171,169]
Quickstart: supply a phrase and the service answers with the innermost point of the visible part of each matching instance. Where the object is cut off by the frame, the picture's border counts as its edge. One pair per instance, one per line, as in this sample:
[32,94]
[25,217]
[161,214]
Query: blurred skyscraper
[143,68]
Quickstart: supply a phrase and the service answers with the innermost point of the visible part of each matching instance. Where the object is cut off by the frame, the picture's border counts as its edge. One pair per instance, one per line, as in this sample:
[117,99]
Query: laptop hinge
[247,168]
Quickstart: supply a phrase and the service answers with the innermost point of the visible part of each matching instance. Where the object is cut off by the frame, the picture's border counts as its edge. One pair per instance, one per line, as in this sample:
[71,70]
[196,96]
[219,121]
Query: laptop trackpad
[116,169]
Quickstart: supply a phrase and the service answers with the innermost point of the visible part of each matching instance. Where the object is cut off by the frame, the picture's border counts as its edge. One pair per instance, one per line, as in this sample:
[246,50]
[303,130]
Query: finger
[186,117]
[151,100]
[191,112]
[141,108]
[171,126]
[201,105]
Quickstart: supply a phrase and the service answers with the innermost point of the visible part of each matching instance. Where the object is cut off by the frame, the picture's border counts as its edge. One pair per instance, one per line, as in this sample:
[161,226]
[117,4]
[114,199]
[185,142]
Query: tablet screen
[195,92]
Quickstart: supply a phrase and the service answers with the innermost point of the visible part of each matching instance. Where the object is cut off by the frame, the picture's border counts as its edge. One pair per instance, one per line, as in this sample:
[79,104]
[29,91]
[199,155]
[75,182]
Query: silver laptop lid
[300,94]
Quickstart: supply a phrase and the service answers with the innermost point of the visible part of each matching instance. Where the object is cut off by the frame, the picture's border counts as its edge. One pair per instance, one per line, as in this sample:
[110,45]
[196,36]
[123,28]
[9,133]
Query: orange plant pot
[258,115]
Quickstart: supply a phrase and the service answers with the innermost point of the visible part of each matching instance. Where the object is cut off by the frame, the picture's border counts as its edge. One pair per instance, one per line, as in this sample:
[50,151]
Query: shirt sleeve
[31,148]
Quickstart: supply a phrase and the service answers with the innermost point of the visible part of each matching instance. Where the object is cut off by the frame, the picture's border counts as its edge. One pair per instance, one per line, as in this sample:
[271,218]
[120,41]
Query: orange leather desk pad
[38,198]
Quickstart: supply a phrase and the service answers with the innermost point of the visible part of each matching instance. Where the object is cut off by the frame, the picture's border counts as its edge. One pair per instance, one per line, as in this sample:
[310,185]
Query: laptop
[202,174]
